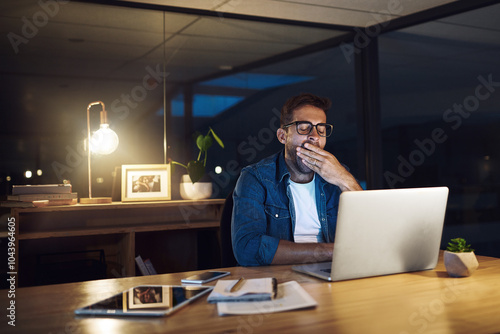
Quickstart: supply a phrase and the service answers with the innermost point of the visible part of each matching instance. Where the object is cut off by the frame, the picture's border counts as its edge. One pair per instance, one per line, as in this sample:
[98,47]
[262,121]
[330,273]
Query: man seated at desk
[285,206]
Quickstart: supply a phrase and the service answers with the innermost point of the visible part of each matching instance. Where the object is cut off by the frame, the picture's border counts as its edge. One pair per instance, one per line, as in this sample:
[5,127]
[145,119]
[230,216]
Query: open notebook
[381,232]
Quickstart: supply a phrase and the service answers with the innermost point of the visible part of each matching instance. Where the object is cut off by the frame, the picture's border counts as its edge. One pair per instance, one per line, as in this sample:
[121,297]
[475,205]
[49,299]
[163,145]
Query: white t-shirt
[307,225]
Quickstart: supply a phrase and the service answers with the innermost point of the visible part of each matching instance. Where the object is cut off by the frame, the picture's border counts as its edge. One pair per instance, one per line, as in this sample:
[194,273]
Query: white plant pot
[460,264]
[198,190]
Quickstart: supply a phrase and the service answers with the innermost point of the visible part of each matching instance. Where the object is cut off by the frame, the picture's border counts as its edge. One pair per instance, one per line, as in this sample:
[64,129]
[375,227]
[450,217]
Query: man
[285,206]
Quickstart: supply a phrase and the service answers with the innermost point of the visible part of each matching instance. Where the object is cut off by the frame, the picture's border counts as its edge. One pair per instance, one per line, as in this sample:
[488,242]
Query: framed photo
[149,297]
[145,183]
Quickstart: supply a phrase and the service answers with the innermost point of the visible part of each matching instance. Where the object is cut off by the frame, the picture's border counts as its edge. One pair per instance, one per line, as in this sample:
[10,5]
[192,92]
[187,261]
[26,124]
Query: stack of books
[42,195]
[145,266]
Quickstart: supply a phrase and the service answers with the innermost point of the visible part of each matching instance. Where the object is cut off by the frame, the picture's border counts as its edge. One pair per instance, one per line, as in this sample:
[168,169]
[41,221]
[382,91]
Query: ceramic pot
[460,264]
[198,190]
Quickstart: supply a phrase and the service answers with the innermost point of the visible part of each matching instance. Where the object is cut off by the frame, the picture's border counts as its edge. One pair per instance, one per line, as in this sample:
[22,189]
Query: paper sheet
[291,296]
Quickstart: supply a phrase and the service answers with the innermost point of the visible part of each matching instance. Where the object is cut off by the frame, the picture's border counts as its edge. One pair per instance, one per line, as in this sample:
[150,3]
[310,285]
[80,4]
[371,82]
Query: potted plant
[459,258]
[191,187]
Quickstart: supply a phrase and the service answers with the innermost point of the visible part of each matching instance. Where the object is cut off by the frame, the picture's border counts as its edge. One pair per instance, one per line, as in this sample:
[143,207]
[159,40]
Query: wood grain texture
[418,302]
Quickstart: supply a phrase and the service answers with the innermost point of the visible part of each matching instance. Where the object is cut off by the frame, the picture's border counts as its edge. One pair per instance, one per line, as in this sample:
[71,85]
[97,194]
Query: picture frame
[146,183]
[158,297]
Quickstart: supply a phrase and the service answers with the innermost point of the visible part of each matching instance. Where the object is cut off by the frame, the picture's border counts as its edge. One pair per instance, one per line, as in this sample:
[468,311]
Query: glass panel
[249,128]
[59,57]
[439,96]
[243,107]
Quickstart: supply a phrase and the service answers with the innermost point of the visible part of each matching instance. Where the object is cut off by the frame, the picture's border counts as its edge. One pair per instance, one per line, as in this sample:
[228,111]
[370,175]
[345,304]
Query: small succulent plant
[458,245]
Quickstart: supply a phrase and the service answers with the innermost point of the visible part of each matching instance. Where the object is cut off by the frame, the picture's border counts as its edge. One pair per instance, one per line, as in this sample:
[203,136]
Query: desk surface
[419,302]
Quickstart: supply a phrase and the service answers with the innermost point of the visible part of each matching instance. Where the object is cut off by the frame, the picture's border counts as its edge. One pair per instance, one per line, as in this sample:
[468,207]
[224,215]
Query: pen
[237,285]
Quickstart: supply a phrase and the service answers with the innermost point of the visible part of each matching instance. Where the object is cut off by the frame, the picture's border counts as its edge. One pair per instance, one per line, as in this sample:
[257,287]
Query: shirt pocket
[278,222]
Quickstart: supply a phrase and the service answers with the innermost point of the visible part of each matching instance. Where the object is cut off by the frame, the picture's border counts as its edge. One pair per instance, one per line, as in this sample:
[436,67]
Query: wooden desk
[122,230]
[420,302]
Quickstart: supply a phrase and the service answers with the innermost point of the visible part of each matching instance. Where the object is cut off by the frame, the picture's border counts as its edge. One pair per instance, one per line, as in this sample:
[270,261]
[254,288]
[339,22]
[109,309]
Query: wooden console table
[166,232]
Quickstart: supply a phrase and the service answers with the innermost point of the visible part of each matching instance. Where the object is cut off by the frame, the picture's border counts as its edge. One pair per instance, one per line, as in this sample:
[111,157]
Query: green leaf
[204,142]
[217,139]
[196,170]
[199,142]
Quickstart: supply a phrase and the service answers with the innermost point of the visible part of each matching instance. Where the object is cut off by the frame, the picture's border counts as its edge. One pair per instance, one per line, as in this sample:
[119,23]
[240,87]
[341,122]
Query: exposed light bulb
[104,141]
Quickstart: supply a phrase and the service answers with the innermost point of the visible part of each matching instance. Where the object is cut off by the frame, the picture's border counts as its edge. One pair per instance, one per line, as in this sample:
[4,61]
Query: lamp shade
[104,141]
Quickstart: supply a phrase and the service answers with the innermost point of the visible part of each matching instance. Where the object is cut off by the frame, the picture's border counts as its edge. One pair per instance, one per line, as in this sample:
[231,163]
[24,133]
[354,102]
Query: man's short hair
[301,100]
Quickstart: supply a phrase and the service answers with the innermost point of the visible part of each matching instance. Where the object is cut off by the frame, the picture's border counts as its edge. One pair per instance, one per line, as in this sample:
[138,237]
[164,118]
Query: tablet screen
[146,300]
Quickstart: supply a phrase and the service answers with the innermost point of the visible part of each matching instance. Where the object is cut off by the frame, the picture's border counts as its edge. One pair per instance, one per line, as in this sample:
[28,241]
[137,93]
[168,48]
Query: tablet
[146,301]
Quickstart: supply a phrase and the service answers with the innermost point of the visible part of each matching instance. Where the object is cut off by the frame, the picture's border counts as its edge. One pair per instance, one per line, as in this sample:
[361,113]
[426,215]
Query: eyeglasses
[305,128]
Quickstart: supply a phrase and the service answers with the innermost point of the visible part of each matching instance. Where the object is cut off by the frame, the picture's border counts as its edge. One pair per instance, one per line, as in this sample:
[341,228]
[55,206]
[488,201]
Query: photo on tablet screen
[149,297]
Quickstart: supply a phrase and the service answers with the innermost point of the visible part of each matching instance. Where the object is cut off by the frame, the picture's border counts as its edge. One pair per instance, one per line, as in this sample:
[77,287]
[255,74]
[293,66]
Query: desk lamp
[104,141]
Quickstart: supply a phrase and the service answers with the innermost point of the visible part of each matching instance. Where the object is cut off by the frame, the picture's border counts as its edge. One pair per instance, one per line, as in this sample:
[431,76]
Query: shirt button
[276,215]
[322,194]
[323,219]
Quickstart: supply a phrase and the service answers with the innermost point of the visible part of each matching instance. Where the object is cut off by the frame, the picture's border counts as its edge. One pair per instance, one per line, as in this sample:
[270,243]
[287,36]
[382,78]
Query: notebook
[253,289]
[382,232]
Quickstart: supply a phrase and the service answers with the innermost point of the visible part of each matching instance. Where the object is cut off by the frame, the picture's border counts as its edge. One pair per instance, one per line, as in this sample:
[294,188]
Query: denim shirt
[264,213]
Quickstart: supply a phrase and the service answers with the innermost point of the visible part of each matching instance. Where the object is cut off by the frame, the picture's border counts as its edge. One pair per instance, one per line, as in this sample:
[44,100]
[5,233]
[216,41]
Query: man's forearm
[349,184]
[292,253]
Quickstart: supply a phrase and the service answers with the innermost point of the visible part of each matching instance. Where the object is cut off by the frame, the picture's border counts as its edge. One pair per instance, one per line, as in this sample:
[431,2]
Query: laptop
[383,232]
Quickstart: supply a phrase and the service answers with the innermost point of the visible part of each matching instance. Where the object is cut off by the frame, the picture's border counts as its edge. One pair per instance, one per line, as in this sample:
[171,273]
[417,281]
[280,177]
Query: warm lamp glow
[104,141]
